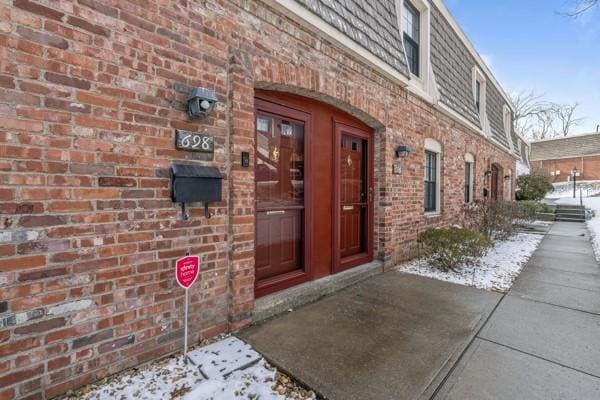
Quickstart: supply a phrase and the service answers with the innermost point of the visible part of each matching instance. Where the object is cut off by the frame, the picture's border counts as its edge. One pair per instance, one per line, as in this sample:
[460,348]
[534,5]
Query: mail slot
[195,183]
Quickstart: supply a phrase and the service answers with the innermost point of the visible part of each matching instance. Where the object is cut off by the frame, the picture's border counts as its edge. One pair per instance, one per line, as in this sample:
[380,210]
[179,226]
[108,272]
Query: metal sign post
[187,270]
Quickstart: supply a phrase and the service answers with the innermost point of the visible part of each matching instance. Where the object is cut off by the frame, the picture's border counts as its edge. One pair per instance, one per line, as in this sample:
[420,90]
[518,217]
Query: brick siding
[588,168]
[91,94]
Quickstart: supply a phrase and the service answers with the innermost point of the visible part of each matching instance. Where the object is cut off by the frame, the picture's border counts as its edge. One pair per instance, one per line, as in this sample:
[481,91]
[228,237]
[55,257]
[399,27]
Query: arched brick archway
[248,75]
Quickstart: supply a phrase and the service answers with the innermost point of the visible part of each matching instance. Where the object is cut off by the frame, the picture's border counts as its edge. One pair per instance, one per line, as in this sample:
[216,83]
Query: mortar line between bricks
[540,357]
[467,348]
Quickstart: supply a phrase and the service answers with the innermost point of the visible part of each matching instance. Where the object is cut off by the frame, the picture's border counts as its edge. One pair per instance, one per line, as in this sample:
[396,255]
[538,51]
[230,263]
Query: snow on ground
[225,370]
[565,189]
[497,270]
[592,203]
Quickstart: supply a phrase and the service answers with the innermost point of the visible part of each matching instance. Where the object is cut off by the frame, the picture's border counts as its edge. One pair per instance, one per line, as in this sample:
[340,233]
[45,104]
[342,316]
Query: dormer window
[478,96]
[411,27]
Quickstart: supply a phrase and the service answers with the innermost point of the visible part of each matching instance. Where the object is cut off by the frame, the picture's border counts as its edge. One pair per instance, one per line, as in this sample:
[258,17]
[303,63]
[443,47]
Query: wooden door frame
[284,281]
[340,265]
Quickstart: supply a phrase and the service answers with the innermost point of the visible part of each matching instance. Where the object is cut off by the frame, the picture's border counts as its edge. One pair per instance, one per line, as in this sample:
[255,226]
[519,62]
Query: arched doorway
[314,191]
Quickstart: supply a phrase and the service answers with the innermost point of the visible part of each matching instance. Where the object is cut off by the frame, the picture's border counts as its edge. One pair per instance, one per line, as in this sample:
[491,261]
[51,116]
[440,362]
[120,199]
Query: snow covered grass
[592,203]
[226,370]
[496,271]
[565,189]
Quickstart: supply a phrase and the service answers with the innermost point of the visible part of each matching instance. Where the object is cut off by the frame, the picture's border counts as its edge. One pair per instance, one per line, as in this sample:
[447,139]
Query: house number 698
[194,142]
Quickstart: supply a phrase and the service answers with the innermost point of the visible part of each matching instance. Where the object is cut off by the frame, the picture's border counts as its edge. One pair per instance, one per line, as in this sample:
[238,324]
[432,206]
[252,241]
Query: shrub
[494,220]
[450,248]
[532,208]
[534,186]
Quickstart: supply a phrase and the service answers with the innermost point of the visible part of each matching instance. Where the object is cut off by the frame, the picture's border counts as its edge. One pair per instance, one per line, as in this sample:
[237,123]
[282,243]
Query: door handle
[280,212]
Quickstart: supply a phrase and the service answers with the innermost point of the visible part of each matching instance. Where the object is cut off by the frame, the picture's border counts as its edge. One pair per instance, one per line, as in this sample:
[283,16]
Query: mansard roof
[374,25]
[371,23]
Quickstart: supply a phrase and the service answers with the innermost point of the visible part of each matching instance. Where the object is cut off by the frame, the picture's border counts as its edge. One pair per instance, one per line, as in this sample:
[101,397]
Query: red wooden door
[281,136]
[353,197]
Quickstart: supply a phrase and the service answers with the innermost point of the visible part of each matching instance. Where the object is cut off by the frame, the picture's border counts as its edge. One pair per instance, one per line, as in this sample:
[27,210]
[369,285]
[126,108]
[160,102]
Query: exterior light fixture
[487,173]
[201,102]
[403,151]
[507,177]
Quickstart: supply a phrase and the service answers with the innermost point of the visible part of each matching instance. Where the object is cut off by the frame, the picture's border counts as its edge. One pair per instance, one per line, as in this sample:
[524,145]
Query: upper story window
[411,27]
[507,117]
[478,95]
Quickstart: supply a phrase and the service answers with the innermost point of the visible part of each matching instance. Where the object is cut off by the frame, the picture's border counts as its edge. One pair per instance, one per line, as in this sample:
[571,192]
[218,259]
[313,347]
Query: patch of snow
[565,189]
[592,203]
[219,374]
[230,355]
[497,269]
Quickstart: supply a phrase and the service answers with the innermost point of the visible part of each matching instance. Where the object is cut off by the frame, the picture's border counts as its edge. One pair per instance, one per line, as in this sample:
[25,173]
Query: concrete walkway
[399,336]
[542,341]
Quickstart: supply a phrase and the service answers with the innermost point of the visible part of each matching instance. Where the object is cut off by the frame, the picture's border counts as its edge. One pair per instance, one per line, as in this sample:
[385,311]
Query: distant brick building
[359,133]
[561,155]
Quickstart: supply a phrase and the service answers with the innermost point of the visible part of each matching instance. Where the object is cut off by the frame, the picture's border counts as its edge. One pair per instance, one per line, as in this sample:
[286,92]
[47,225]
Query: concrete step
[565,219]
[570,208]
[571,214]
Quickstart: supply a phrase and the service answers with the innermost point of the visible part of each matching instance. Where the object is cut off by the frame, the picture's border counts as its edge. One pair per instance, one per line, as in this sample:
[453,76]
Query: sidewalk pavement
[399,336]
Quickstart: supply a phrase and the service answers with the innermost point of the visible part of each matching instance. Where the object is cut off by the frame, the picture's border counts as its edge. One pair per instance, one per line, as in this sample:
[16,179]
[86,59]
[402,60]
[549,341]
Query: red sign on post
[187,270]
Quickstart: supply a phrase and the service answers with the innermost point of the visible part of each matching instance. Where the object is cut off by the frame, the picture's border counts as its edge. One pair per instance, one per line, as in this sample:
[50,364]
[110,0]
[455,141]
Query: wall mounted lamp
[403,151]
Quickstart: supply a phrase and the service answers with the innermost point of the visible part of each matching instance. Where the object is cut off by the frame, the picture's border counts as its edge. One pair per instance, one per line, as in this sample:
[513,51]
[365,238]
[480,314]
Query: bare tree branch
[581,7]
[566,119]
[534,116]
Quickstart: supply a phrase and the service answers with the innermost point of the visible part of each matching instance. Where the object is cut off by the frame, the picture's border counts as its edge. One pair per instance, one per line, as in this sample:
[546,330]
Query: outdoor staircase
[570,213]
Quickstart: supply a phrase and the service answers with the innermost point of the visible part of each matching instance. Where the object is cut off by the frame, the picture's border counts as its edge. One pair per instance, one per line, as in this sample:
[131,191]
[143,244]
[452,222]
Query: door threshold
[280,302]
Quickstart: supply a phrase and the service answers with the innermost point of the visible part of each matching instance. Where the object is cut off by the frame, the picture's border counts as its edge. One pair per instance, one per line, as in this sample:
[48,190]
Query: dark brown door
[494,184]
[354,197]
[280,195]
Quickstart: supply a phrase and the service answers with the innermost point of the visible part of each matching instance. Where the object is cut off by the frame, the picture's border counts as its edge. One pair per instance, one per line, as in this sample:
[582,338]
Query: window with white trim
[414,21]
[507,119]
[411,34]
[432,169]
[479,92]
[469,172]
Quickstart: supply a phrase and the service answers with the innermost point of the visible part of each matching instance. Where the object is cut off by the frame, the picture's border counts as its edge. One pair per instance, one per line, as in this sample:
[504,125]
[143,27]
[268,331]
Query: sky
[529,46]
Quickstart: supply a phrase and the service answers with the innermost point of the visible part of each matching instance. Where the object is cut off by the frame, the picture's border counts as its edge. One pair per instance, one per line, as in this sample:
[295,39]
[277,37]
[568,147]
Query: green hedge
[450,248]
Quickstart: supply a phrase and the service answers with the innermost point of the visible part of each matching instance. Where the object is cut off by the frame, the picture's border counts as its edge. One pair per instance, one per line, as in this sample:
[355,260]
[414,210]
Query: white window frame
[423,84]
[469,158]
[507,120]
[434,146]
[478,76]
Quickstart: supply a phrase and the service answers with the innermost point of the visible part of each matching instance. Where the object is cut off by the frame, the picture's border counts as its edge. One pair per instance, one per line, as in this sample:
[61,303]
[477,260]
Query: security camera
[201,101]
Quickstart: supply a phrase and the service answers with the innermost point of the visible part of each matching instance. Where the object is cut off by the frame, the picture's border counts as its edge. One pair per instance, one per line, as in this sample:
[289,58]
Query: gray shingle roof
[565,147]
[374,25]
[371,23]
[453,68]
[452,65]
[524,152]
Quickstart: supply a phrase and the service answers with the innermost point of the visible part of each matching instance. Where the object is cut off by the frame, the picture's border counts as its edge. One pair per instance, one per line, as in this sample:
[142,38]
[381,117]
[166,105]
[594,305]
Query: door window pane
[280,162]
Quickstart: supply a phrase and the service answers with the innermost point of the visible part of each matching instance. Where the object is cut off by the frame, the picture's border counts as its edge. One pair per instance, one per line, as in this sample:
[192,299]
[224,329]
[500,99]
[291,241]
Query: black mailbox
[195,183]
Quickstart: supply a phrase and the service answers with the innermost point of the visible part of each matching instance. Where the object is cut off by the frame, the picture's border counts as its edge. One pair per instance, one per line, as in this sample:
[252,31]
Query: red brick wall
[91,94]
[588,168]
